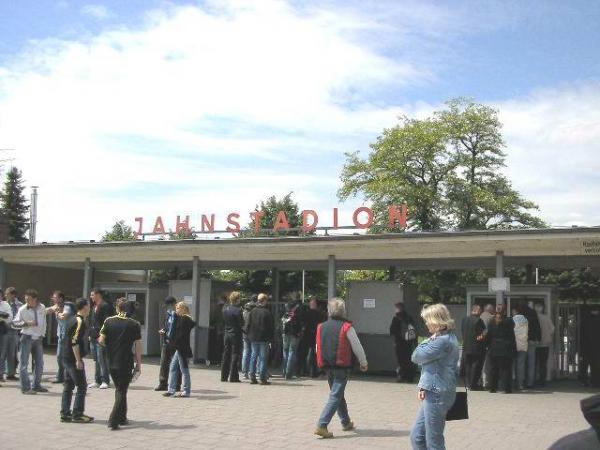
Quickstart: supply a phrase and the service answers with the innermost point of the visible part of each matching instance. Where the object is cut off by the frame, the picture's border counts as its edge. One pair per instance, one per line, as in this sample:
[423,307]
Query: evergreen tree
[15,207]
[119,232]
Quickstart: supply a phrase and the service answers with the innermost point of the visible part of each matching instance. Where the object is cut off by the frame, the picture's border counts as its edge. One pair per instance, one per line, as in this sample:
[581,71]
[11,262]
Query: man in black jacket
[403,330]
[101,310]
[232,340]
[534,336]
[260,332]
[473,347]
[167,333]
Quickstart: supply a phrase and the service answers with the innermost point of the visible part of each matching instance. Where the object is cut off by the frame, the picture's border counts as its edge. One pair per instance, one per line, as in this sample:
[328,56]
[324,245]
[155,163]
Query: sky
[118,110]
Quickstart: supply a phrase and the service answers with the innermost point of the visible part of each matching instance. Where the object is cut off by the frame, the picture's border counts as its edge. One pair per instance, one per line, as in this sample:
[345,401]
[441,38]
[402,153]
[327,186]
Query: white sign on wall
[188,300]
[368,303]
[499,284]
[131,297]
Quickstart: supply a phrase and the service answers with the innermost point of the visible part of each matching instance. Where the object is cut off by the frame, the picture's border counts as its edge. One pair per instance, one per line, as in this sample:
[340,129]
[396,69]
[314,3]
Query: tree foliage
[271,207]
[15,207]
[120,232]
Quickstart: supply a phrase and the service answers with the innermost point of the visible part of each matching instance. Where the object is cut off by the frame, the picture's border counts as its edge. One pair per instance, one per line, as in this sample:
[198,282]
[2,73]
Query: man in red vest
[336,341]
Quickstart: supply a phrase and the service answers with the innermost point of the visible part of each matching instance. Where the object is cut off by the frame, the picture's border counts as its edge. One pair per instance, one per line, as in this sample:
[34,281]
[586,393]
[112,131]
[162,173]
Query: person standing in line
[291,330]
[261,331]
[167,333]
[502,349]
[336,342]
[11,340]
[404,332]
[488,313]
[6,317]
[438,358]
[590,350]
[74,370]
[183,352]
[314,317]
[118,335]
[58,303]
[543,350]
[101,310]
[473,336]
[521,334]
[31,319]
[232,344]
[247,353]
[533,339]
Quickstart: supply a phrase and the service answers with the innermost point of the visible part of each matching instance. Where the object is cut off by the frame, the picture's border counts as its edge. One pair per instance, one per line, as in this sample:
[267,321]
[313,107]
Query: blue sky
[118,109]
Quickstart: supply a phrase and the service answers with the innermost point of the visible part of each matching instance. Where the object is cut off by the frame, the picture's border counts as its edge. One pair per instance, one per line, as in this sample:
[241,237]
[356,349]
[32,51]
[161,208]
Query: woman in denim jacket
[438,358]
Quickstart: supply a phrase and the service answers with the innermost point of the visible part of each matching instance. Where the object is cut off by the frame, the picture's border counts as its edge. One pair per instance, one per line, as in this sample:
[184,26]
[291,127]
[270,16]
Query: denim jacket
[438,359]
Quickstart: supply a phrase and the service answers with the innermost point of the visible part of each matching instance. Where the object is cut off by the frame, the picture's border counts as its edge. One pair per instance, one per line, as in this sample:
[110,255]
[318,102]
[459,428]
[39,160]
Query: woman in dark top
[232,341]
[183,351]
[502,349]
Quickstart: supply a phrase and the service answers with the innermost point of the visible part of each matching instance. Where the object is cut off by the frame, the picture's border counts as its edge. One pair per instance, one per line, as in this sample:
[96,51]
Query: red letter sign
[206,225]
[232,220]
[335,218]
[281,222]
[257,217]
[182,226]
[159,228]
[398,216]
[139,220]
[305,226]
[369,222]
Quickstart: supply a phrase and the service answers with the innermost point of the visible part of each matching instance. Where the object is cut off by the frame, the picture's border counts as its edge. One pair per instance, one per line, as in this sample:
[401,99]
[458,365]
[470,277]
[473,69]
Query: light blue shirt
[438,359]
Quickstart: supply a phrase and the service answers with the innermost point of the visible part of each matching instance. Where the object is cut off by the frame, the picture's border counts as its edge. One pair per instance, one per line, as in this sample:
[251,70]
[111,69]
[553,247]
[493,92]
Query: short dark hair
[98,291]
[31,293]
[81,303]
[11,291]
[170,300]
[126,306]
[60,294]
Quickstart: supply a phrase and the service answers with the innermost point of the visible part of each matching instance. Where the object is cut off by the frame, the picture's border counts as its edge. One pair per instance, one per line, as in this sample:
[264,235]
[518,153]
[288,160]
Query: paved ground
[241,416]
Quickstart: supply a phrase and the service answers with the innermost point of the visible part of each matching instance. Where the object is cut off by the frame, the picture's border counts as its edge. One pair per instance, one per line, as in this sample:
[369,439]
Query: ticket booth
[148,298]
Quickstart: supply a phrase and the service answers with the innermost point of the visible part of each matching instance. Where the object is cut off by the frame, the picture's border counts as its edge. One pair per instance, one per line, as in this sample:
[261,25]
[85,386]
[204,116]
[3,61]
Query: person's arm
[394,327]
[429,351]
[357,348]
[78,360]
[102,337]
[138,355]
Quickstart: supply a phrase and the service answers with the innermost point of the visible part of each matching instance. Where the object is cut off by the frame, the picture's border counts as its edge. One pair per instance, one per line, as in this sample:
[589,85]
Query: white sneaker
[93,385]
[104,386]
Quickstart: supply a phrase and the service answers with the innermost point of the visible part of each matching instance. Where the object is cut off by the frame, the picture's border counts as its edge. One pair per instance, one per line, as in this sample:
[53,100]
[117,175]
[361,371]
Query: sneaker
[29,392]
[93,385]
[168,394]
[349,426]
[57,381]
[323,432]
[82,419]
[104,386]
[113,427]
[124,422]
[265,382]
[161,388]
[12,378]
[65,418]
[253,381]
[246,376]
[40,389]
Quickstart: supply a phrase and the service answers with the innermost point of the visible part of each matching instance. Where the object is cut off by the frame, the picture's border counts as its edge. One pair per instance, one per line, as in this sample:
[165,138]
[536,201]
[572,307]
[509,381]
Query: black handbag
[460,408]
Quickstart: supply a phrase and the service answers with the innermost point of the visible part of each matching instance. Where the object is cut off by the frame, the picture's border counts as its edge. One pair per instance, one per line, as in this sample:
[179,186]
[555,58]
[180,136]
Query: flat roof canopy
[548,248]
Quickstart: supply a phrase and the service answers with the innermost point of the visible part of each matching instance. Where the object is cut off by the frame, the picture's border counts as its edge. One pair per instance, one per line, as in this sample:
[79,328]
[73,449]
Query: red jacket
[333,347]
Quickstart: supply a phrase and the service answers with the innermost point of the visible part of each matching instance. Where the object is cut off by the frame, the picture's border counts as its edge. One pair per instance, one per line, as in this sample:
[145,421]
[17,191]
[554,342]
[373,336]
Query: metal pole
[33,215]
[303,284]
[331,277]
[2,274]
[275,291]
[537,275]
[499,274]
[87,278]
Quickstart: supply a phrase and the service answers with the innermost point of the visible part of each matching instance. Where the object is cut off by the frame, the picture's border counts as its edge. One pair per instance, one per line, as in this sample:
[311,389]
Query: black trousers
[473,365]
[406,369]
[73,378]
[121,379]
[166,355]
[232,347]
[541,362]
[501,370]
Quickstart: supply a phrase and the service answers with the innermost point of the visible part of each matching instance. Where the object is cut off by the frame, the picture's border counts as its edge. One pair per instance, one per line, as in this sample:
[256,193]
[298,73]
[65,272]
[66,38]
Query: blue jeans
[247,353]
[8,353]
[428,431]
[3,349]
[60,374]
[31,346]
[337,379]
[180,362]
[73,378]
[290,347]
[531,351]
[259,354]
[102,374]
[520,369]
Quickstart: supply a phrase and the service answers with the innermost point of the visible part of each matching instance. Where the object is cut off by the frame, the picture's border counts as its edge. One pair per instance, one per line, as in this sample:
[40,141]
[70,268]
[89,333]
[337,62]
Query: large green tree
[120,231]
[270,209]
[15,207]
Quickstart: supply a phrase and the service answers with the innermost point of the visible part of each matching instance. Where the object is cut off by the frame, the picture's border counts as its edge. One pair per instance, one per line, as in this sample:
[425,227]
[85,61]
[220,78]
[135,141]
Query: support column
[87,278]
[331,278]
[2,274]
[500,274]
[392,273]
[200,310]
[275,291]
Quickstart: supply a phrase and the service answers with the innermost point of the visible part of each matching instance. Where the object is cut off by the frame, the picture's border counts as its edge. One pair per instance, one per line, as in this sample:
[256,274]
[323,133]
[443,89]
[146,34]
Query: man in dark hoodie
[260,332]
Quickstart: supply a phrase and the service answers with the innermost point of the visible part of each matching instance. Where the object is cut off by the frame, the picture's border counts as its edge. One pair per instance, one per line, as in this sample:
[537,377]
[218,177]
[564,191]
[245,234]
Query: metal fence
[568,345]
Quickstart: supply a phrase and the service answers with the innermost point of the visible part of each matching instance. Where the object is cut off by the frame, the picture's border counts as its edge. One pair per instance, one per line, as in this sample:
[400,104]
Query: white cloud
[99,12]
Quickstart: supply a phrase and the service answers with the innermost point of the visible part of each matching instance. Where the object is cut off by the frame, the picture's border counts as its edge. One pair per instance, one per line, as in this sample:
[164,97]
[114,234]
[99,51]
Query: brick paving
[282,416]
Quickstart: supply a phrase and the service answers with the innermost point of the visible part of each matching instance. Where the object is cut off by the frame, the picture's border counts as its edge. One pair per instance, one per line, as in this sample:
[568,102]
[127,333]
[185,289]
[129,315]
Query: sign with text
[499,284]
[368,303]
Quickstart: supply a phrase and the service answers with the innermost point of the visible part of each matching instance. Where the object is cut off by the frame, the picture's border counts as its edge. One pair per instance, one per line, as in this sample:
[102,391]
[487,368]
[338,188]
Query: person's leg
[3,347]
[115,415]
[236,345]
[291,357]
[263,355]
[506,373]
[312,362]
[435,407]
[81,383]
[542,364]
[341,380]
[126,379]
[185,371]
[94,350]
[493,375]
[24,357]
[337,385]
[246,356]
[173,371]
[165,362]
[37,348]
[253,359]
[12,344]
[520,369]
[60,372]
[104,370]
[417,434]
[477,368]
[531,350]
[285,340]
[226,359]
[67,395]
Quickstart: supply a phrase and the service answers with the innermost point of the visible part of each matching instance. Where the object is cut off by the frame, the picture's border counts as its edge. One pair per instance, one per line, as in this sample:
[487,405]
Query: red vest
[333,346]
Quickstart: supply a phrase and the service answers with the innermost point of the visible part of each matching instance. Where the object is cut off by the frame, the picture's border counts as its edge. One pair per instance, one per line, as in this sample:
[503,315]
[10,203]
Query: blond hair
[438,316]
[336,307]
[234,297]
[263,298]
[184,307]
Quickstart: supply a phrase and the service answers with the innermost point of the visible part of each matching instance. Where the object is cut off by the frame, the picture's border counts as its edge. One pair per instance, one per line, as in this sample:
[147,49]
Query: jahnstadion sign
[362,218]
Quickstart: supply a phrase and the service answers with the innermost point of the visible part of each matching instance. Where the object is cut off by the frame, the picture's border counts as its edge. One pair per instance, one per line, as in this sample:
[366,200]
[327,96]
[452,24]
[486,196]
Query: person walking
[543,350]
[336,342]
[404,332]
[521,333]
[11,339]
[183,352]
[6,317]
[502,349]
[74,370]
[247,353]
[101,310]
[473,352]
[232,344]
[118,335]
[438,358]
[261,330]
[291,331]
[167,334]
